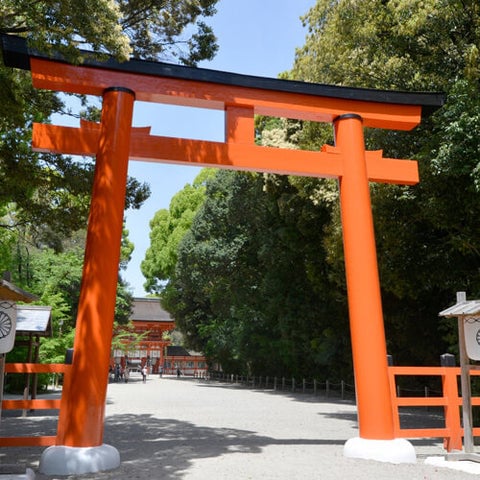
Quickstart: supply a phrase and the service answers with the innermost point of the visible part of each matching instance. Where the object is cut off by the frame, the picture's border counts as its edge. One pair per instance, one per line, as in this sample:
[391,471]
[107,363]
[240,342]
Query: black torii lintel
[17,54]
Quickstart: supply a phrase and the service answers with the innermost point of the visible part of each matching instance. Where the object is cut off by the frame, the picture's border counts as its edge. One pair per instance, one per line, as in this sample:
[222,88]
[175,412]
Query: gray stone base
[61,460]
[397,450]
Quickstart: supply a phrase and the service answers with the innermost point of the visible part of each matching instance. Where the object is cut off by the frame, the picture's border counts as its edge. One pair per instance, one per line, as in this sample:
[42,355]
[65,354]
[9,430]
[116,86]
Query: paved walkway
[195,430]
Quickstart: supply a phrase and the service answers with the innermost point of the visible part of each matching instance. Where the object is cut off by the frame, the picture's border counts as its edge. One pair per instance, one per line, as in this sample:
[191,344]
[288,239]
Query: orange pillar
[452,409]
[364,301]
[239,124]
[83,404]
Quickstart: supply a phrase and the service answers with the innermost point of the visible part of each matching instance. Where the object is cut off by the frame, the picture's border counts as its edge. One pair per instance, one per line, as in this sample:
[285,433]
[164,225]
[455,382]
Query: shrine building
[155,349]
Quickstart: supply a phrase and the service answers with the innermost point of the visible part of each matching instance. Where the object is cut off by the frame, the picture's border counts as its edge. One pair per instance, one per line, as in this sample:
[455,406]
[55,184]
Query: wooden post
[81,417]
[452,411]
[466,389]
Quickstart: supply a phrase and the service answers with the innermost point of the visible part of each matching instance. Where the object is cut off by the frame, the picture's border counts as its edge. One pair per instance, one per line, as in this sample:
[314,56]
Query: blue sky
[256,37]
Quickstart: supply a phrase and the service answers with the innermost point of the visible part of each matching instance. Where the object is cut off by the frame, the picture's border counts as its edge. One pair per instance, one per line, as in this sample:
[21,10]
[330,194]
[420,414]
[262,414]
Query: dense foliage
[259,284]
[426,235]
[51,193]
[167,228]
[168,29]
[243,289]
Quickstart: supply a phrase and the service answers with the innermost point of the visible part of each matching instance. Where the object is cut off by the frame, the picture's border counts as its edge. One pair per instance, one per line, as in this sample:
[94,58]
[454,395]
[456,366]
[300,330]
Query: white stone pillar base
[62,460]
[397,450]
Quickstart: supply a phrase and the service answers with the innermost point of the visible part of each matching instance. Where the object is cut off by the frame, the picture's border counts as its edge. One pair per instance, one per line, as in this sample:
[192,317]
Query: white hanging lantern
[472,337]
[8,323]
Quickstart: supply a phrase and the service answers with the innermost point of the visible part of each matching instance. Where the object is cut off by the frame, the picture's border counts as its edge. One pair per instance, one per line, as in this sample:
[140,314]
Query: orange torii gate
[113,141]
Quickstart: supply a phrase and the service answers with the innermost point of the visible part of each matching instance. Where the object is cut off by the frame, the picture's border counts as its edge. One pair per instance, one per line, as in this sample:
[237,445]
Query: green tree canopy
[390,44]
[55,277]
[243,290]
[426,234]
[52,192]
[167,228]
[150,29]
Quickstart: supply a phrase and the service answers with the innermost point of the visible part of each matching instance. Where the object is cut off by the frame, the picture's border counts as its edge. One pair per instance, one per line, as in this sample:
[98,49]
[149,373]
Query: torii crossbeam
[113,141]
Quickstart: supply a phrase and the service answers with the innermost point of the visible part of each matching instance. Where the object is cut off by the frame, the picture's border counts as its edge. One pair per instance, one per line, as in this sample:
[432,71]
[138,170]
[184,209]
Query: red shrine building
[155,350]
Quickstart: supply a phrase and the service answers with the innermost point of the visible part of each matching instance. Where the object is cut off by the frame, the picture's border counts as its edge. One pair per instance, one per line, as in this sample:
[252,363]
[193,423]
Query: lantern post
[467,313]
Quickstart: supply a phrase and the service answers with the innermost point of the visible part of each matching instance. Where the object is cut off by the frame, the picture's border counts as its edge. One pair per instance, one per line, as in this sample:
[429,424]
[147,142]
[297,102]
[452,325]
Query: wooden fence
[34,404]
[448,400]
[340,389]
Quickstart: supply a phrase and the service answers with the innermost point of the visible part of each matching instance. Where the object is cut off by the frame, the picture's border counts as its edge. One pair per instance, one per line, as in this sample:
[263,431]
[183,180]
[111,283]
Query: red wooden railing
[34,404]
[450,400]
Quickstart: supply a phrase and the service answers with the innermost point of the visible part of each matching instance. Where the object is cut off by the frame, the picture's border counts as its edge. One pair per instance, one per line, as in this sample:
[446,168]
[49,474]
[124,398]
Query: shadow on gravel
[165,448]
[410,417]
[33,425]
[151,447]
[345,416]
[155,448]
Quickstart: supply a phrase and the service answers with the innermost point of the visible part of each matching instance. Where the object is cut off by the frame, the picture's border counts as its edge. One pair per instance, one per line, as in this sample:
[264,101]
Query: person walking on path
[144,374]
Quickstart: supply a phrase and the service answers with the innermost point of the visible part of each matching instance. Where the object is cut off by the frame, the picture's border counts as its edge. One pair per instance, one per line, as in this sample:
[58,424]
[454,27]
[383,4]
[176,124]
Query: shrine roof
[17,54]
[149,310]
[8,291]
[177,351]
[462,309]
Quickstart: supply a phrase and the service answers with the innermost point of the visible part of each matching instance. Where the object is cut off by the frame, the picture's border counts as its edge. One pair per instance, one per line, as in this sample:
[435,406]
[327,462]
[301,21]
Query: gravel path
[196,430]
